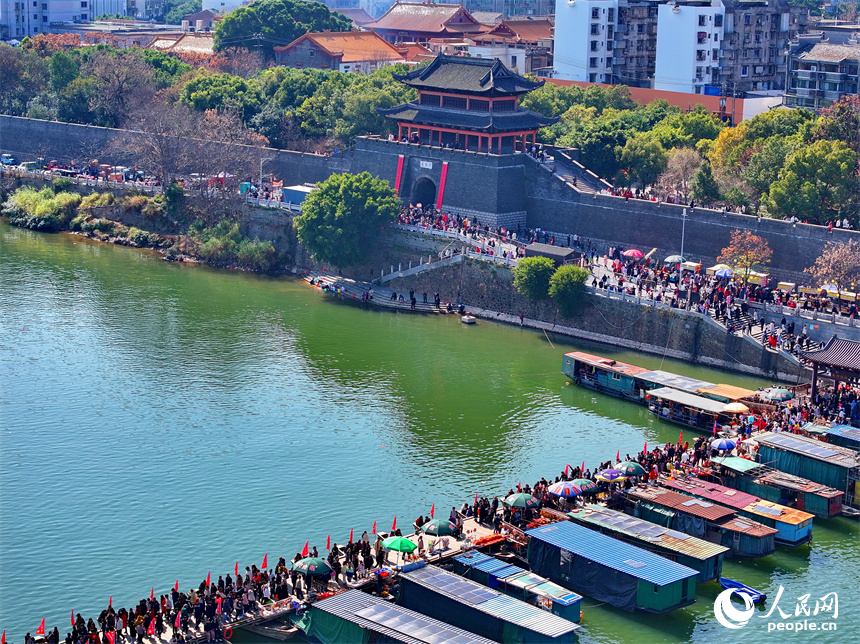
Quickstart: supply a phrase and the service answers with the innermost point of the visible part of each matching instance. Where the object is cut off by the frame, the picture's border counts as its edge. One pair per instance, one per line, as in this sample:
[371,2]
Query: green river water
[158,421]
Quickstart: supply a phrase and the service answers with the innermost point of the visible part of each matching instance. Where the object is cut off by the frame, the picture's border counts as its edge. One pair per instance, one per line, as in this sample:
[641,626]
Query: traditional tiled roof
[491,122]
[524,31]
[488,17]
[415,52]
[477,76]
[426,17]
[350,46]
[358,15]
[831,53]
[192,42]
[844,354]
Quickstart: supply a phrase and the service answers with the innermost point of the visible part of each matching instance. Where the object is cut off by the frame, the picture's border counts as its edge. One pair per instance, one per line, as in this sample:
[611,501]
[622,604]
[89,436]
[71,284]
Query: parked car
[8,159]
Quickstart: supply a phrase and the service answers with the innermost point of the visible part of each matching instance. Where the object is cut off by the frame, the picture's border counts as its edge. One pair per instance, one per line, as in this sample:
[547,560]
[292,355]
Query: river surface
[160,421]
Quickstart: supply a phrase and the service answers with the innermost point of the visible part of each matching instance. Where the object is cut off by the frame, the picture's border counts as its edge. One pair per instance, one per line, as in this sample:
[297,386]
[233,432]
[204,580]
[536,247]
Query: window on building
[718,20]
[595,29]
[513,61]
[503,106]
[715,53]
[745,71]
[592,62]
[44,18]
[44,6]
[747,19]
[592,78]
[83,5]
[35,16]
[454,101]
[433,99]
[595,14]
[640,29]
[703,20]
[479,106]
[83,16]
[595,45]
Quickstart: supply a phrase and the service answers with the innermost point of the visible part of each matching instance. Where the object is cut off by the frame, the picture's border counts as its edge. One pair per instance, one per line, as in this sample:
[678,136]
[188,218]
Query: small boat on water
[468,319]
[743,589]
[276,630]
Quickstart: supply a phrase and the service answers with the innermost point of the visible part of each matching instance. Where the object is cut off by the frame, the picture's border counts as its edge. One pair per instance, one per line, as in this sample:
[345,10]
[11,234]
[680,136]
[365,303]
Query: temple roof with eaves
[473,76]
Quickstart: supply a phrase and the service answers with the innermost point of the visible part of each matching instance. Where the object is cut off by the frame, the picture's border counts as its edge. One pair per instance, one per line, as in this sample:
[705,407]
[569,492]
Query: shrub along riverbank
[164,223]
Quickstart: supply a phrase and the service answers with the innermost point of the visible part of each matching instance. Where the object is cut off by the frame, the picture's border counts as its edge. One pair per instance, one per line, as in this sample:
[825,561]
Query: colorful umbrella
[632,468]
[723,443]
[724,272]
[313,566]
[399,544]
[778,394]
[522,500]
[736,408]
[564,489]
[611,475]
[439,527]
[587,485]
[674,259]
[634,253]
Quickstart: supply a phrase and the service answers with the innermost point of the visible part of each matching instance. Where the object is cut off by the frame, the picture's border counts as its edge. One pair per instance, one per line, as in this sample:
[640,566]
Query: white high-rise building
[584,37]
[20,18]
[688,46]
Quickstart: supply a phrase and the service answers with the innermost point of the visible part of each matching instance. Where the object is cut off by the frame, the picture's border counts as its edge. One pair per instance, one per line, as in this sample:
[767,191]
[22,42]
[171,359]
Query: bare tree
[682,165]
[838,264]
[122,80]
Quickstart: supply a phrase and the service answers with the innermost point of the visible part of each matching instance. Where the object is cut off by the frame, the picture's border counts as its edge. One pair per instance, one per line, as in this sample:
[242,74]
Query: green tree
[642,160]
[764,166]
[167,68]
[218,91]
[566,287]
[63,69]
[267,23]
[532,276]
[175,12]
[816,181]
[342,219]
[703,186]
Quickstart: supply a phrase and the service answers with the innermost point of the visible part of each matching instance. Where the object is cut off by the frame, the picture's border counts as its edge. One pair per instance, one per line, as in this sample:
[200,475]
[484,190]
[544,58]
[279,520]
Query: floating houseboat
[698,518]
[831,465]
[610,570]
[841,435]
[704,557]
[789,490]
[689,410]
[794,527]
[356,616]
[467,604]
[520,583]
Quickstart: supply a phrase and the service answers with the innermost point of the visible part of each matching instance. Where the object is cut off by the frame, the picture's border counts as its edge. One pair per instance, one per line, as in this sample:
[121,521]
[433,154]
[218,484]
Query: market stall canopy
[736,408]
[723,444]
[633,253]
[777,394]
[611,475]
[521,500]
[439,527]
[674,259]
[632,468]
[314,566]
[586,485]
[565,489]
[399,544]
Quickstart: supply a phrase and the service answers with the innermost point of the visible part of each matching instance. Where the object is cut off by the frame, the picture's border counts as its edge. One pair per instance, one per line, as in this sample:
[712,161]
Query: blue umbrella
[564,489]
[722,443]
[724,272]
[611,475]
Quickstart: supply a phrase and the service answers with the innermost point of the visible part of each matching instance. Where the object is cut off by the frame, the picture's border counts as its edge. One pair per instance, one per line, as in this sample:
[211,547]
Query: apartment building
[21,18]
[697,46]
[820,72]
[585,39]
[512,7]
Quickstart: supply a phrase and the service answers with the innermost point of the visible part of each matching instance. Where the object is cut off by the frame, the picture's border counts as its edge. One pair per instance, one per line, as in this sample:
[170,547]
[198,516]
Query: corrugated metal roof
[675,381]
[396,622]
[516,576]
[710,491]
[845,431]
[785,514]
[647,532]
[810,447]
[736,463]
[503,607]
[607,363]
[792,482]
[612,553]
[746,526]
[729,393]
[681,502]
[686,399]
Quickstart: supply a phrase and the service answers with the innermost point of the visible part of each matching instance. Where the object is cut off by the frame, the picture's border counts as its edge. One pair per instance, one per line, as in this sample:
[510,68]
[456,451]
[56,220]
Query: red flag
[150,630]
[566,469]
[350,535]
[432,510]
[374,527]
[218,601]
[73,619]
[236,569]
[209,578]
[152,594]
[681,438]
[519,486]
[176,586]
[583,467]
[41,629]
[3,639]
[328,543]
[394,525]
[265,560]
[110,601]
[110,636]
[178,621]
[305,549]
[618,456]
[645,449]
[476,498]
[715,427]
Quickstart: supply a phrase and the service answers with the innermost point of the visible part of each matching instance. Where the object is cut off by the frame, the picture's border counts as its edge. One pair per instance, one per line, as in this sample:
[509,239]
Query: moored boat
[756,596]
